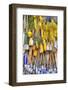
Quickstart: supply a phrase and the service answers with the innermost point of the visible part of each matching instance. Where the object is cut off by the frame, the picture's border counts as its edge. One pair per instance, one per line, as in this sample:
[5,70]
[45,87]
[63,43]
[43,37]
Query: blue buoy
[48,18]
[25,59]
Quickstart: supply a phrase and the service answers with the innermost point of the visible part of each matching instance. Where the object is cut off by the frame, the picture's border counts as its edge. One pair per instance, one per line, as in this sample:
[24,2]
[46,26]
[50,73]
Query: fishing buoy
[25,59]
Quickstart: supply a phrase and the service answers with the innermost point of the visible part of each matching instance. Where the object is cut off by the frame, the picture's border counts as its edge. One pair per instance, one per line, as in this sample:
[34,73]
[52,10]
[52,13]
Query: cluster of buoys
[41,37]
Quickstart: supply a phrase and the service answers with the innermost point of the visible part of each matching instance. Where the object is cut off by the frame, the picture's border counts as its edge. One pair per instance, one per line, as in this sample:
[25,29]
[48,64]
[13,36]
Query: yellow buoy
[29,33]
[35,53]
[41,48]
[44,45]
